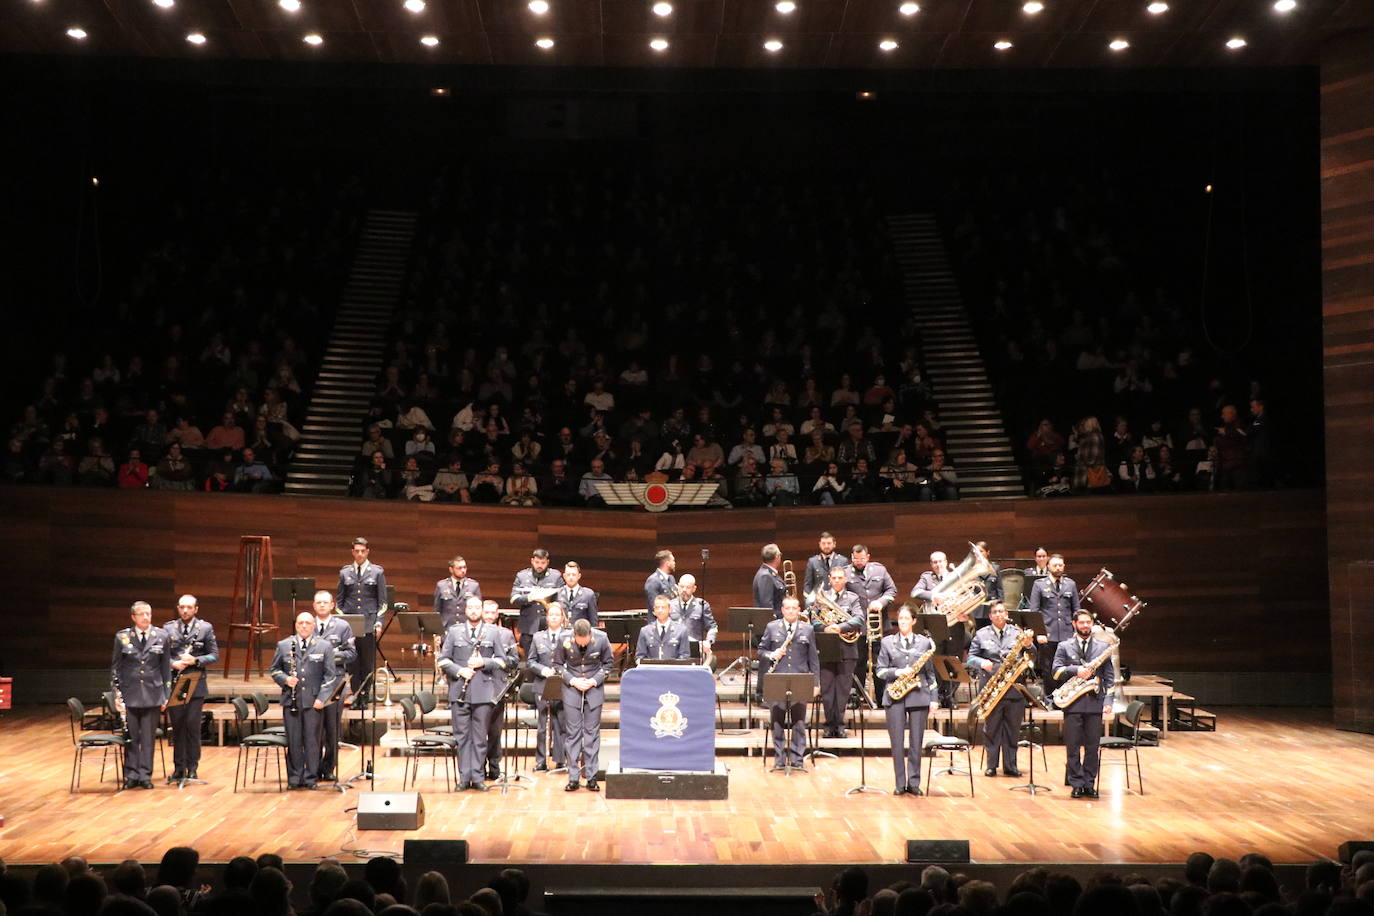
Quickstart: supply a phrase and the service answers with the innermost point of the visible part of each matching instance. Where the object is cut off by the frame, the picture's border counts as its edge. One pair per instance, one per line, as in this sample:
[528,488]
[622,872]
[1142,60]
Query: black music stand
[618,633]
[293,590]
[553,693]
[336,696]
[1031,701]
[949,669]
[510,775]
[783,688]
[367,750]
[829,649]
[753,619]
[865,703]
[423,626]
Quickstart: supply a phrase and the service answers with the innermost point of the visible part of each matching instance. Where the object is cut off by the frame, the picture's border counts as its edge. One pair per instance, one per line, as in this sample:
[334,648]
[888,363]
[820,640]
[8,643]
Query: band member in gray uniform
[1055,599]
[1083,717]
[907,715]
[956,643]
[475,656]
[140,667]
[1001,729]
[992,588]
[873,584]
[578,601]
[838,677]
[788,646]
[538,578]
[362,590]
[661,581]
[695,614]
[818,566]
[452,592]
[548,742]
[192,647]
[491,616]
[583,659]
[335,631]
[304,669]
[662,637]
[769,588]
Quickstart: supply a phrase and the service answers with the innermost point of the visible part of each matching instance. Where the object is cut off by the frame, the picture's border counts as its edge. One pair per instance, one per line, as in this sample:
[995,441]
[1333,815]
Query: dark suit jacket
[142,673]
[494,642]
[201,644]
[768,589]
[314,665]
[1068,656]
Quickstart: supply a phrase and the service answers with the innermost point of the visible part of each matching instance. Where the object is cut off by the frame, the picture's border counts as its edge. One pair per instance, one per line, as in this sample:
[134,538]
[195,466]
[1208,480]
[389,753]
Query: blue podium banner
[668,718]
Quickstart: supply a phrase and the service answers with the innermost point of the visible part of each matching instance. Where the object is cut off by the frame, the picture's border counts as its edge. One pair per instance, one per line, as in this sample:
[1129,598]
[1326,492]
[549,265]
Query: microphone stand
[865,703]
[367,751]
[508,779]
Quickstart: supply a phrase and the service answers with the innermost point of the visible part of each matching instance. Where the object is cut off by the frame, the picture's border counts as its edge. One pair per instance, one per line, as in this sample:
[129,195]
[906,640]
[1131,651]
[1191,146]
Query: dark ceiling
[820,34]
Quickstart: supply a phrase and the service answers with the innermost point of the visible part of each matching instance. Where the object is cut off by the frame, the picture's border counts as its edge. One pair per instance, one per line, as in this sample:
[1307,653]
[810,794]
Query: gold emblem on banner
[669,722]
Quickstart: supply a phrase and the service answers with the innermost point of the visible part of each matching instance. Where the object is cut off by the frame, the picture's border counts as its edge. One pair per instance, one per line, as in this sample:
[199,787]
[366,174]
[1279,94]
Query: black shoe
[493,772]
[131,783]
[327,777]
[779,766]
[593,786]
[291,786]
[842,733]
[146,784]
[990,771]
[191,773]
[1090,793]
[1076,793]
[541,767]
[914,790]
[799,767]
[479,787]
[309,787]
[177,775]
[571,786]
[901,790]
[1014,772]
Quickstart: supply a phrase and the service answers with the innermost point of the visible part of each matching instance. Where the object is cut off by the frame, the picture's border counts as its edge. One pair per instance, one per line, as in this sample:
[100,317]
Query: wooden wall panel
[1218,569]
[1347,162]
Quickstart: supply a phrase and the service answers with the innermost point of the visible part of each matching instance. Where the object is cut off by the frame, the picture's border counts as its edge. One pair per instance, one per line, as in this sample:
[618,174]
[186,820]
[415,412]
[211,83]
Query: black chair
[82,741]
[159,734]
[258,743]
[948,744]
[425,744]
[1126,746]
[260,706]
[425,703]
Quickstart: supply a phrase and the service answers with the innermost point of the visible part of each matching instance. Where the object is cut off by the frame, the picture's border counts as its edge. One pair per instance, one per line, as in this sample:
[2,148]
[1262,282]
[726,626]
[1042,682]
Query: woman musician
[905,666]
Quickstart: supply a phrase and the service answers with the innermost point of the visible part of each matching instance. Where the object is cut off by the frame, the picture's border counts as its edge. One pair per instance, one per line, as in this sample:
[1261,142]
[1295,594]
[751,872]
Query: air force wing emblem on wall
[669,722]
[655,496]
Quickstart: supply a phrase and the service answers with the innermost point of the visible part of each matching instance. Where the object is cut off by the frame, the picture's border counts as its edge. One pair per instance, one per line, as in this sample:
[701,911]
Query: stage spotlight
[1159,6]
[415,6]
[291,6]
[909,9]
[772,46]
[1002,45]
[313,38]
[887,44]
[95,182]
[865,95]
[544,43]
[1207,190]
[659,44]
[439,91]
[77,32]
[1033,7]
[1235,44]
[165,4]
[430,41]
[663,9]
[539,7]
[1118,44]
[1285,6]
[196,38]
[785,7]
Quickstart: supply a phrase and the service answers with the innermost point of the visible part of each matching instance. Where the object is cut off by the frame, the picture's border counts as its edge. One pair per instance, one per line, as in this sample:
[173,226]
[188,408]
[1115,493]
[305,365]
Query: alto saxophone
[1017,663]
[831,614]
[1078,685]
[909,682]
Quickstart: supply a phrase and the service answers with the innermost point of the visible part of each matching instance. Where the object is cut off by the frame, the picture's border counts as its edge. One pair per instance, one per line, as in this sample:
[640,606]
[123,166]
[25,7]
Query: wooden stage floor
[1280,781]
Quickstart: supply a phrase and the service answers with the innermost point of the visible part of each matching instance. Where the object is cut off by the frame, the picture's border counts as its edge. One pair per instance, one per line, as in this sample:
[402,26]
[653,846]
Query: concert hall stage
[1280,781]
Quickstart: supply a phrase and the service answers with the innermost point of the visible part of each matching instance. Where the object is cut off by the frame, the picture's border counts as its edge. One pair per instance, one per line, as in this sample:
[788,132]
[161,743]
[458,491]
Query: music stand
[865,703]
[185,688]
[423,626]
[553,693]
[367,751]
[293,590]
[1031,702]
[782,688]
[336,696]
[618,633]
[949,669]
[510,778]
[753,618]
[829,649]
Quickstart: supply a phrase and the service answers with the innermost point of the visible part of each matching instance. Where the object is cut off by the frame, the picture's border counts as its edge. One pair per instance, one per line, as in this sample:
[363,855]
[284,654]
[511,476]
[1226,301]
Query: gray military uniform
[451,596]
[582,710]
[818,571]
[198,640]
[838,677]
[800,658]
[659,583]
[906,717]
[578,604]
[313,663]
[696,616]
[1083,717]
[362,592]
[1001,729]
[549,741]
[141,667]
[531,612]
[471,715]
[339,635]
[1056,603]
[657,641]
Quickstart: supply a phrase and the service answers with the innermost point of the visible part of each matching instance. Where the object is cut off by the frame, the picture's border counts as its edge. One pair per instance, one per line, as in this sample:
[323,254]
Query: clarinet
[119,708]
[294,708]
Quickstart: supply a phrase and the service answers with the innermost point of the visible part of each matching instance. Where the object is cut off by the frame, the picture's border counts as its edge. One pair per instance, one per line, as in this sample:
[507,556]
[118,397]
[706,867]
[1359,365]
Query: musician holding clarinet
[304,669]
[788,646]
[475,657]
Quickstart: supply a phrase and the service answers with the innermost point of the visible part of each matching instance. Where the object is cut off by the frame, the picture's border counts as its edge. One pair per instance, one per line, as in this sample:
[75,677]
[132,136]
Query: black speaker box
[937,852]
[435,852]
[391,811]
[1348,849]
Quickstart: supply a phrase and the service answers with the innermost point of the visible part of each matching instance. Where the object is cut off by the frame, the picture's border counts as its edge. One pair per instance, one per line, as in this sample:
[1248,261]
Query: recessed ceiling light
[1159,6]
[539,7]
[887,44]
[430,41]
[663,9]
[544,43]
[196,38]
[1118,44]
[415,6]
[659,44]
[1033,7]
[1285,6]
[439,91]
[313,38]
[291,6]
[165,4]
[1235,44]
[785,7]
[909,9]
[865,95]
[772,46]
[77,32]
[1002,45]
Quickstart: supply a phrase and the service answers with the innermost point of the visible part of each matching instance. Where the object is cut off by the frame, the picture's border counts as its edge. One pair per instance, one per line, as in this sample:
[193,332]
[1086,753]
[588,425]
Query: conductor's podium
[667,735]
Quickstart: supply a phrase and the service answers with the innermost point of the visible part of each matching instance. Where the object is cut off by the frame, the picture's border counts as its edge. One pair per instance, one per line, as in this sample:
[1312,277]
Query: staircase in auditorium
[323,461]
[978,447]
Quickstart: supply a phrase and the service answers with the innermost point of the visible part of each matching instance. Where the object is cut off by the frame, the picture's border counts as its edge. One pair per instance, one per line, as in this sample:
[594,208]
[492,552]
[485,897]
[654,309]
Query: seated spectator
[451,484]
[221,476]
[829,487]
[186,434]
[527,449]
[227,435]
[704,450]
[781,486]
[599,398]
[1120,443]
[376,442]
[587,487]
[710,473]
[133,473]
[783,450]
[415,482]
[413,416]
[879,392]
[97,469]
[489,486]
[1044,444]
[1055,480]
[746,448]
[559,488]
[420,446]
[277,413]
[1168,478]
[377,481]
[252,475]
[636,461]
[602,449]
[1155,438]
[818,453]
[777,423]
[748,489]
[672,461]
[816,422]
[898,479]
[676,428]
[150,434]
[266,444]
[844,394]
[941,480]
[174,471]
[1232,446]
[1205,472]
[521,488]
[1135,474]
[862,486]
[854,448]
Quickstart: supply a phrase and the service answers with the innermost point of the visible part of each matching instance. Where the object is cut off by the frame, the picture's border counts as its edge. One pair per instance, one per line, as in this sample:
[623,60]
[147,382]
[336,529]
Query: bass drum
[1109,600]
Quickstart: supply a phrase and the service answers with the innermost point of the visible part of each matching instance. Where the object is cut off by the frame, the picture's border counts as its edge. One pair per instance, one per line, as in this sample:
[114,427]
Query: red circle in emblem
[656,494]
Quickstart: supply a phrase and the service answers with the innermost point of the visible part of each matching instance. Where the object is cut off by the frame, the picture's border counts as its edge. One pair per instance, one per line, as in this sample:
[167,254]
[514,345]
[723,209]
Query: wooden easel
[254,570]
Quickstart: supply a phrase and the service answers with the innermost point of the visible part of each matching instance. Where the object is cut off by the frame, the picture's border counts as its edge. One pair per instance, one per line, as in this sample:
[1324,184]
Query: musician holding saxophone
[1082,656]
[905,666]
[788,646]
[140,668]
[304,669]
[988,654]
[191,647]
[838,610]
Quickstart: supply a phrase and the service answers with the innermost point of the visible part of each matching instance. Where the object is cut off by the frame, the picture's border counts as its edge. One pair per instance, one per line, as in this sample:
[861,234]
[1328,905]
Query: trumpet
[789,579]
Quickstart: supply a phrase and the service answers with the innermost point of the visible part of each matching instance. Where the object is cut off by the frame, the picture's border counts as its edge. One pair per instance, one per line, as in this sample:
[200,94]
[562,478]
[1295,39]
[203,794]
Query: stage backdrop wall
[1236,583]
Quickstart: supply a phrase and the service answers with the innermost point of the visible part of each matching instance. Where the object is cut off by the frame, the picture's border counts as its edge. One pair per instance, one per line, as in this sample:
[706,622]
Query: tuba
[960,591]
[1017,663]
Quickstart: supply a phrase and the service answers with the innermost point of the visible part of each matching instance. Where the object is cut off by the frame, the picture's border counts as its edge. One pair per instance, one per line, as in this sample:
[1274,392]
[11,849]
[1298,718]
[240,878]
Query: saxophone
[829,613]
[1077,685]
[1017,663]
[909,682]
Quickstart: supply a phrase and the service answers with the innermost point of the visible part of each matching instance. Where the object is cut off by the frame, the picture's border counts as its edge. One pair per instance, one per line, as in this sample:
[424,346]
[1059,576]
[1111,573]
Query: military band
[140,668]
[1001,729]
[549,737]
[335,631]
[837,677]
[584,659]
[898,655]
[191,647]
[362,590]
[1083,717]
[452,592]
[789,647]
[303,667]
[1055,599]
